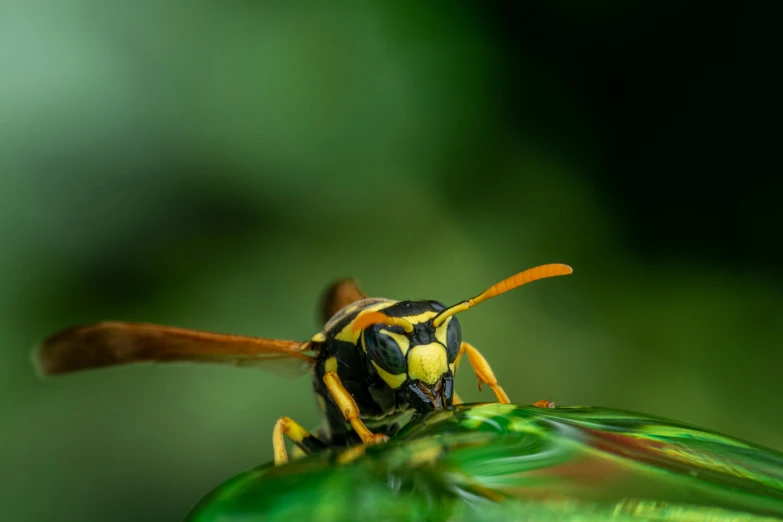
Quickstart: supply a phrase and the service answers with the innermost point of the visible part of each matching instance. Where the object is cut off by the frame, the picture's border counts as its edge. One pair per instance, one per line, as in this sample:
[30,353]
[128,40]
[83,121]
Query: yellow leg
[298,435]
[459,357]
[483,371]
[297,453]
[456,399]
[350,409]
[545,404]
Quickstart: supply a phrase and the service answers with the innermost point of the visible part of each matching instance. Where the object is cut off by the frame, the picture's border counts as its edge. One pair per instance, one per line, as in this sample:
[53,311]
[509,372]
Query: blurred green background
[216,165]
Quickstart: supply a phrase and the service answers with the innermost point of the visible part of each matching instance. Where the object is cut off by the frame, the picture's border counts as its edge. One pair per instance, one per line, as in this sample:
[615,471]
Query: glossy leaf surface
[505,462]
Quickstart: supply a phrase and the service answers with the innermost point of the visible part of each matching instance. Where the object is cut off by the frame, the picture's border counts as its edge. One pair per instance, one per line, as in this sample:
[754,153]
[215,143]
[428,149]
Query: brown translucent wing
[114,343]
[339,295]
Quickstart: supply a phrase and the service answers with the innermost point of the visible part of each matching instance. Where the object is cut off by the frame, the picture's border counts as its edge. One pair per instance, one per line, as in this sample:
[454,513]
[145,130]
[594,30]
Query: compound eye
[453,339]
[437,306]
[384,350]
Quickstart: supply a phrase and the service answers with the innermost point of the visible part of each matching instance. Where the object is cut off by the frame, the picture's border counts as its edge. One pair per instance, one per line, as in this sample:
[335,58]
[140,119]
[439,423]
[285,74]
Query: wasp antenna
[526,276]
[365,320]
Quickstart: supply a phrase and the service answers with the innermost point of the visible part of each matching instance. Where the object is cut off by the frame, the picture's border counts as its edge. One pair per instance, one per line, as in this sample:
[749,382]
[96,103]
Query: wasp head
[413,345]
[412,355]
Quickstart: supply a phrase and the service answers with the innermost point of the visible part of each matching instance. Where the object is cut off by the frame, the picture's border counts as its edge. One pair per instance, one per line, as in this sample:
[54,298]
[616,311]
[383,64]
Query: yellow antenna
[365,320]
[529,275]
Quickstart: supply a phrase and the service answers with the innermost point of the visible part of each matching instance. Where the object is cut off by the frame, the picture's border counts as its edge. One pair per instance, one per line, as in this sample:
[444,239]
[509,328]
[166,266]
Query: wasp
[376,363]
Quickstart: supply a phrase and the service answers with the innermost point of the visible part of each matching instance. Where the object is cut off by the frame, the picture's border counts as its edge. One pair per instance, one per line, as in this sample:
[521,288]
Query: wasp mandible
[375,362]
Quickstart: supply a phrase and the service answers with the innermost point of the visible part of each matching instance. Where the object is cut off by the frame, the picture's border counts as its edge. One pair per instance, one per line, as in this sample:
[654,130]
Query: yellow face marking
[440,332]
[330,365]
[320,337]
[348,335]
[402,340]
[394,381]
[427,362]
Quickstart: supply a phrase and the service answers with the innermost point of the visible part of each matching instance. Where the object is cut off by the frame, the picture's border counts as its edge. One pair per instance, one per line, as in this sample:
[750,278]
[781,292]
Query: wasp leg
[297,453]
[298,435]
[545,404]
[350,409]
[456,399]
[483,371]
[458,358]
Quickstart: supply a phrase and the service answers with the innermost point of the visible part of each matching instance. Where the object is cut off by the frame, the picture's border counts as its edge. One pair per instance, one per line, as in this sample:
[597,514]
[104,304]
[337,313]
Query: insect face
[414,345]
[415,357]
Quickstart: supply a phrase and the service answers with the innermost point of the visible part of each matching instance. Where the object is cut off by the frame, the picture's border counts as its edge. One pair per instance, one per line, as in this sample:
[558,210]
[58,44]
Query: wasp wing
[340,294]
[114,343]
